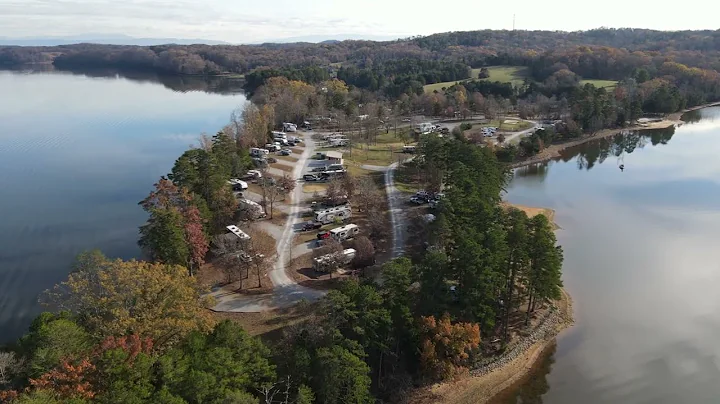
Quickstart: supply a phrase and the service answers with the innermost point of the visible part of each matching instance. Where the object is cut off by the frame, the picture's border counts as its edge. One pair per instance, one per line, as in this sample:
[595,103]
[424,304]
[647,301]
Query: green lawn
[600,83]
[511,127]
[504,74]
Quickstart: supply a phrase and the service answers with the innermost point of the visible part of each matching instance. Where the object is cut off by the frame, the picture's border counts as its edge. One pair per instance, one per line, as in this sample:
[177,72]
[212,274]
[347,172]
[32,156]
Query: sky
[250,21]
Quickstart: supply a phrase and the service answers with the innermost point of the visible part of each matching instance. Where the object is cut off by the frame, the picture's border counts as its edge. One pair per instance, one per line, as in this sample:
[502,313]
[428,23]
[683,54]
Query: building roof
[334,154]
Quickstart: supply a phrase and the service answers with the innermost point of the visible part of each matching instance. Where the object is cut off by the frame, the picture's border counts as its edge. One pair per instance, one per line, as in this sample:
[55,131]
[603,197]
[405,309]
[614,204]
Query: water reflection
[587,155]
[225,85]
[531,388]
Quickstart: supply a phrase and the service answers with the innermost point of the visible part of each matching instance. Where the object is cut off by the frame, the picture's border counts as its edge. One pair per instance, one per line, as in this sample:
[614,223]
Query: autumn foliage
[445,346]
[68,380]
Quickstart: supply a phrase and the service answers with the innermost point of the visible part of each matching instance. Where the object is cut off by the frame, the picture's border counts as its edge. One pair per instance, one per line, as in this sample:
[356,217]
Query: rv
[236,231]
[237,185]
[326,216]
[328,262]
[279,135]
[260,153]
[426,128]
[409,149]
[251,208]
[345,232]
[289,127]
[338,142]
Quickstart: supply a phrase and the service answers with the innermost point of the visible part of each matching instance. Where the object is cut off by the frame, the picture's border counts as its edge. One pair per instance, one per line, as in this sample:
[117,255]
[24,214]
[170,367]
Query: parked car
[260,162]
[311,177]
[310,225]
[284,152]
[407,120]
[417,200]
[323,235]
[319,169]
[271,160]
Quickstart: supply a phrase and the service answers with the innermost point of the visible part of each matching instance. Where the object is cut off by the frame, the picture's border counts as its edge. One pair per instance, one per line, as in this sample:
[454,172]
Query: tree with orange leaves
[445,346]
[68,381]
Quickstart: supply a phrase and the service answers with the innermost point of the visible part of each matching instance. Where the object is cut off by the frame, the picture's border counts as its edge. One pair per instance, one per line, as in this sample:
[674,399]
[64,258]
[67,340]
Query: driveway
[285,291]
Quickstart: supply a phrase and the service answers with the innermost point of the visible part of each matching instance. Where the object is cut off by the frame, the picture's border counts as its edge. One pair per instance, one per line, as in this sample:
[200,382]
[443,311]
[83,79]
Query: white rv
[338,142]
[260,153]
[236,231]
[253,209]
[426,127]
[289,127]
[345,232]
[326,216]
[279,136]
[332,261]
[238,185]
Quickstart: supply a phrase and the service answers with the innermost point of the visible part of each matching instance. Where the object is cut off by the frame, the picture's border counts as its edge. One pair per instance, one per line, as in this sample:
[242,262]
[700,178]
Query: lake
[642,264]
[77,153]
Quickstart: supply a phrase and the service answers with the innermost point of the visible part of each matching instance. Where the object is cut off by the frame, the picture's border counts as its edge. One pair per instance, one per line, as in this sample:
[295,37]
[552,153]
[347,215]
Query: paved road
[397,214]
[285,291]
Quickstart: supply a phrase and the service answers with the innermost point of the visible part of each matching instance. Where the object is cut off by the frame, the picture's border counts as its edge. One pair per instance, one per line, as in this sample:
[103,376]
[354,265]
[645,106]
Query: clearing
[600,83]
[503,74]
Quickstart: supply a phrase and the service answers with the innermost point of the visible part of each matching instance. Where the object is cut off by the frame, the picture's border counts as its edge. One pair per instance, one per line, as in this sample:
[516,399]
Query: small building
[334,157]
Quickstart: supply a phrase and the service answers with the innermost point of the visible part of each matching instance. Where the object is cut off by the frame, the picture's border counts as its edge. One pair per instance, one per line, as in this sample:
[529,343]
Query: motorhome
[236,231]
[289,127]
[409,149]
[251,209]
[326,216]
[426,128]
[238,185]
[346,232]
[260,153]
[329,262]
[339,142]
[279,135]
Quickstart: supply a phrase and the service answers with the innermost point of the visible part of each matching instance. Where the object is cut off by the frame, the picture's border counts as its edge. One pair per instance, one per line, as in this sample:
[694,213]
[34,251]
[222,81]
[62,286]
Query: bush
[465,126]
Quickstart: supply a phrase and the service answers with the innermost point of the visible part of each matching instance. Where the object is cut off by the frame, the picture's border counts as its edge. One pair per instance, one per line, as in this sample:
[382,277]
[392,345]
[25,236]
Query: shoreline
[554,150]
[504,372]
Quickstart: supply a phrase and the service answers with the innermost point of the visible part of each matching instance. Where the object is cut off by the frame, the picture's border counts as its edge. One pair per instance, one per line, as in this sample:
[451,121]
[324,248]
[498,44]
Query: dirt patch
[298,149]
[312,188]
[532,212]
[282,167]
[288,158]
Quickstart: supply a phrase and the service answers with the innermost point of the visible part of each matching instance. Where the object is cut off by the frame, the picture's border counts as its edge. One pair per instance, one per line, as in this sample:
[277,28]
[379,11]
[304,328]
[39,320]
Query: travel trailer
[326,216]
[328,262]
[289,127]
[238,185]
[409,149]
[345,232]
[253,209]
[236,231]
[255,152]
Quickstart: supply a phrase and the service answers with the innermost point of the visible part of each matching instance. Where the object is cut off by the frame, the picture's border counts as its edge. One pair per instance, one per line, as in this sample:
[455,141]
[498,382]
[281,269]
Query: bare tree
[335,191]
[205,142]
[367,196]
[364,252]
[261,250]
[8,365]
[271,193]
[287,183]
[230,252]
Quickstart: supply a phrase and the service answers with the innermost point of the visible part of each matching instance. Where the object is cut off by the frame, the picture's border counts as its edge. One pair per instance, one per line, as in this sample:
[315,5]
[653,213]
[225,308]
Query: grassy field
[600,83]
[511,127]
[504,74]
[385,151]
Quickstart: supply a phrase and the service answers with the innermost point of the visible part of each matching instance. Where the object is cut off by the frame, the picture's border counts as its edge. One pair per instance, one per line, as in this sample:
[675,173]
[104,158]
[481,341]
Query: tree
[364,252]
[115,297]
[342,377]
[271,193]
[257,122]
[163,238]
[445,346]
[543,275]
[335,191]
[68,381]
[230,251]
[211,367]
[517,241]
[366,196]
[52,338]
[9,365]
[333,250]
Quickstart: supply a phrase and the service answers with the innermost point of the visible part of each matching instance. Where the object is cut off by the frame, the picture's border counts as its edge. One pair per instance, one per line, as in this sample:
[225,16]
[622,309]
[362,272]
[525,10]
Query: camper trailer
[279,136]
[334,260]
[409,149]
[236,231]
[326,216]
[289,127]
[339,142]
[238,185]
[345,232]
[251,208]
[259,153]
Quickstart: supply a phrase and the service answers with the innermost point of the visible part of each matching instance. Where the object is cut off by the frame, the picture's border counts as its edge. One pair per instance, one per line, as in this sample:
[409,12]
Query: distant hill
[334,38]
[103,39]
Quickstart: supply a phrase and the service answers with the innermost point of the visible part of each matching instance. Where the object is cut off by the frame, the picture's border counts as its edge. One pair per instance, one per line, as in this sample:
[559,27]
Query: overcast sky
[245,21]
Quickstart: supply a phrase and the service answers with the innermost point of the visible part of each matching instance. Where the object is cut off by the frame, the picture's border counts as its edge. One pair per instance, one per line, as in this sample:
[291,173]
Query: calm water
[642,262]
[77,153]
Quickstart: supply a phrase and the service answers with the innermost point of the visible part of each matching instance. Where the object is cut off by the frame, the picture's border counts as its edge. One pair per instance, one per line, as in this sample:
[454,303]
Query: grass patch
[269,324]
[376,155]
[504,74]
[509,127]
[311,188]
[600,83]
[283,167]
[288,158]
